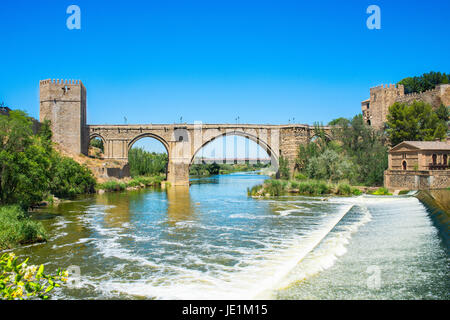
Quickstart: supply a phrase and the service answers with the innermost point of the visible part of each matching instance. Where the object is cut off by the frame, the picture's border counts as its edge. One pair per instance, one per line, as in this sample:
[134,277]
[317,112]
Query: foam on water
[256,273]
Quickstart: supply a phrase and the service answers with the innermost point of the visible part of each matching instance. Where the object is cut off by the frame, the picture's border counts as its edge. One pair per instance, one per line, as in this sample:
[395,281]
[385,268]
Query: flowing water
[211,241]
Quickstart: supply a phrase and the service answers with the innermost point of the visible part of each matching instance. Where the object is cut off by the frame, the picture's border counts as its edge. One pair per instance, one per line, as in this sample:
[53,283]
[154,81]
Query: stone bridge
[64,104]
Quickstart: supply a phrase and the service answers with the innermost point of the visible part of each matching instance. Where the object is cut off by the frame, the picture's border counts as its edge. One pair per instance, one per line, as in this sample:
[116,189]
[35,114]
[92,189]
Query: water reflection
[180,207]
[118,208]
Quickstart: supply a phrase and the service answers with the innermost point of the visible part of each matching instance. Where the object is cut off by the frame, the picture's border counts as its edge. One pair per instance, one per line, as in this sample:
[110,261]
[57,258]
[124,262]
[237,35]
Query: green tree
[69,178]
[30,169]
[332,166]
[425,82]
[143,163]
[338,122]
[365,147]
[414,122]
[24,161]
[283,169]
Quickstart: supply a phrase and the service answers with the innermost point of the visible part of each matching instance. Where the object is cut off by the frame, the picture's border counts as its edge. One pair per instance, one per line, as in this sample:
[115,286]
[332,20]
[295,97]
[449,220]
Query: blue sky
[214,61]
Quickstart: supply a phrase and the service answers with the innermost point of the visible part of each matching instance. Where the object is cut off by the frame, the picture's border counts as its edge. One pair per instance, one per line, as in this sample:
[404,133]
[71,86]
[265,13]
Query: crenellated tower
[63,102]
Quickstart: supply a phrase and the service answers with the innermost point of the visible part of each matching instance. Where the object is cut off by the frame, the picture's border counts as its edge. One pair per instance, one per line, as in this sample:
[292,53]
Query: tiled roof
[426,145]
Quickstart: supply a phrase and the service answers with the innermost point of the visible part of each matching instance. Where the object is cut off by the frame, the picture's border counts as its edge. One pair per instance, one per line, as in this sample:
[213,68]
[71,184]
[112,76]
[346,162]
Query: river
[211,241]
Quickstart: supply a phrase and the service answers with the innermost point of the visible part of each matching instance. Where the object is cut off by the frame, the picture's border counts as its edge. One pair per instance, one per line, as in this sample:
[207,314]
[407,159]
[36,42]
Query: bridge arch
[249,136]
[96,135]
[149,135]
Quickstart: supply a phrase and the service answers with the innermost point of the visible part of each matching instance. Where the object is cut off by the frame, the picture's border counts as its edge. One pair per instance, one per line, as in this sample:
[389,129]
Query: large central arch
[251,137]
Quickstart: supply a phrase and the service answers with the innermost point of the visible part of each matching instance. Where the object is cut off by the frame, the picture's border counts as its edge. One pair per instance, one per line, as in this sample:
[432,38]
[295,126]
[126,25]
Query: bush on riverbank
[31,169]
[382,192]
[115,185]
[70,178]
[308,187]
[16,228]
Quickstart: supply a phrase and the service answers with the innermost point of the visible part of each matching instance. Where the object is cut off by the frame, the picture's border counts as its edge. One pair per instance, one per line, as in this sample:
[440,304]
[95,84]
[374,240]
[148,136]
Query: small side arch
[96,135]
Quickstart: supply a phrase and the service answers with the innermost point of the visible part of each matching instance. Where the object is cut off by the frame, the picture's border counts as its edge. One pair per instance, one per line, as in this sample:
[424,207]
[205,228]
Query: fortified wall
[376,108]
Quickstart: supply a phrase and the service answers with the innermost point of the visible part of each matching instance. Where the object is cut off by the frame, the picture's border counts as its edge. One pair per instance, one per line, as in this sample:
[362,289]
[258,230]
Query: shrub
[18,281]
[275,187]
[294,184]
[112,186]
[344,189]
[300,176]
[70,178]
[255,190]
[284,168]
[382,191]
[16,228]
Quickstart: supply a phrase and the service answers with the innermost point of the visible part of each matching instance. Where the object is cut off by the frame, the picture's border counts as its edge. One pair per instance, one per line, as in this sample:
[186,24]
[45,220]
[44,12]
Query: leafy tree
[143,163]
[283,169]
[425,82]
[332,166]
[338,121]
[414,122]
[69,178]
[443,113]
[30,169]
[24,161]
[366,148]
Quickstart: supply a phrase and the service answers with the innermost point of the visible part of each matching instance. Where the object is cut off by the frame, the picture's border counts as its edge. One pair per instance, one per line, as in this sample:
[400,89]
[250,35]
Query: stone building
[416,165]
[376,108]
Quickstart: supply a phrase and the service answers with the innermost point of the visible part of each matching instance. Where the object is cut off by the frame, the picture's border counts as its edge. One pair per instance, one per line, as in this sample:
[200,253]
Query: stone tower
[376,109]
[63,102]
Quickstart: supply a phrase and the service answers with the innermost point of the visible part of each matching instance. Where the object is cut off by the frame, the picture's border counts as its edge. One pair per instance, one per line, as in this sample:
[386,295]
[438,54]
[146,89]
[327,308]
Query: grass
[274,187]
[16,228]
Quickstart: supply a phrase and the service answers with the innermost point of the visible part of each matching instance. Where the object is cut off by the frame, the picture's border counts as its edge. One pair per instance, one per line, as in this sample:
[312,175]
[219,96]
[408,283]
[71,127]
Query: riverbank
[131,184]
[310,187]
[16,228]
[437,203]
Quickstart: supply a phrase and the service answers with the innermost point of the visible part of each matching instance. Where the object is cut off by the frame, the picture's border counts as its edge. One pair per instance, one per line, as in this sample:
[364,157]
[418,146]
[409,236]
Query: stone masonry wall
[64,104]
[382,97]
[416,180]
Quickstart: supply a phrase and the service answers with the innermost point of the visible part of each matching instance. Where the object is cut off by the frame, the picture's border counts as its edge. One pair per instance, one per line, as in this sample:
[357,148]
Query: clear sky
[214,61]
